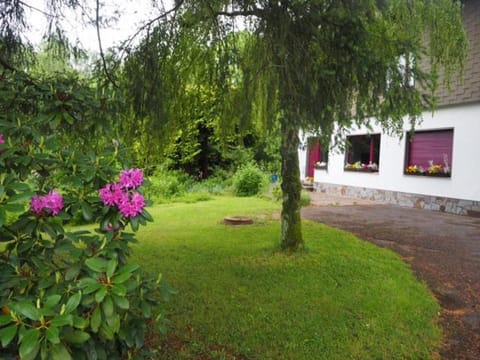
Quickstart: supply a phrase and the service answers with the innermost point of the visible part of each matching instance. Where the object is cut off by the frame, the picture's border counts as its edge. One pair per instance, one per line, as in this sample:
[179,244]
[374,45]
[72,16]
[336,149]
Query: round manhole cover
[237,220]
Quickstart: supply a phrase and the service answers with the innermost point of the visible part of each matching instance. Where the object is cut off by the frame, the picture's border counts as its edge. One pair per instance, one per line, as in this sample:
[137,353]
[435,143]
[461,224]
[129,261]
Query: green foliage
[168,184]
[249,180]
[66,294]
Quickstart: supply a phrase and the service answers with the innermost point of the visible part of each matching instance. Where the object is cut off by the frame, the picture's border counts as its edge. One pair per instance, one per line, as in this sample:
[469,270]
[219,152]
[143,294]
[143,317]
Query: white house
[438,168]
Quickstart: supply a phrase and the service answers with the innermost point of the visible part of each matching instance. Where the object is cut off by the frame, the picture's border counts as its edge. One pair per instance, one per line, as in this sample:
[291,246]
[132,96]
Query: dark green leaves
[73,303]
[29,344]
[26,309]
[7,334]
[96,264]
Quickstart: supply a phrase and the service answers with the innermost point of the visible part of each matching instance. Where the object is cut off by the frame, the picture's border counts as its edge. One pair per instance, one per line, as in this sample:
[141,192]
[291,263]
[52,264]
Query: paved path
[443,250]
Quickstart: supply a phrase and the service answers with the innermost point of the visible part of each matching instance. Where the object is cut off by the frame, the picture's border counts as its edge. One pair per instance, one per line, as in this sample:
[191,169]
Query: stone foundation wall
[434,203]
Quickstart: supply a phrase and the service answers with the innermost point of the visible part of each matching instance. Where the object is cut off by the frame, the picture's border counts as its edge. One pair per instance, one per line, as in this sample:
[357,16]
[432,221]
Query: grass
[240,298]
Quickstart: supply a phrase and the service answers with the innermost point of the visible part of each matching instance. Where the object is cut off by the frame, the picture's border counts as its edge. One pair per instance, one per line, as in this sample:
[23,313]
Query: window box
[360,170]
[434,171]
[359,167]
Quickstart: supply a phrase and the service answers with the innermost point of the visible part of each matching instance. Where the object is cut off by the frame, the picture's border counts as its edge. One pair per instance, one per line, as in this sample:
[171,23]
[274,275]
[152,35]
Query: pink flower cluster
[122,195]
[2,139]
[47,205]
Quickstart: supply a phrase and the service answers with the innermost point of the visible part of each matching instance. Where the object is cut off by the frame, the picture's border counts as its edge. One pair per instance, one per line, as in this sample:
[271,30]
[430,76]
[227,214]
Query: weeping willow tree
[316,65]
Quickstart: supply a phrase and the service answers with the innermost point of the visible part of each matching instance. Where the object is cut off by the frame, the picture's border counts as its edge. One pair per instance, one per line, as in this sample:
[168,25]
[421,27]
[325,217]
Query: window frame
[416,170]
[372,166]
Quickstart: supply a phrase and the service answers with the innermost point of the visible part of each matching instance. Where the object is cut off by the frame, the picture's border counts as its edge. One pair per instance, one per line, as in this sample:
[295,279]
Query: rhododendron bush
[68,293]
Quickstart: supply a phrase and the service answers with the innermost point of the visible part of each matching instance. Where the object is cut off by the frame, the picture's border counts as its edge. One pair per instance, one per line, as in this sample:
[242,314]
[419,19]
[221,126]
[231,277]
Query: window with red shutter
[429,153]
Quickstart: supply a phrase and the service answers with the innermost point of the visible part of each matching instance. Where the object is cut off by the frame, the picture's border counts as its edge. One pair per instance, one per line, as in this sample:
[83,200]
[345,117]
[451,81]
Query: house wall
[459,109]
[459,193]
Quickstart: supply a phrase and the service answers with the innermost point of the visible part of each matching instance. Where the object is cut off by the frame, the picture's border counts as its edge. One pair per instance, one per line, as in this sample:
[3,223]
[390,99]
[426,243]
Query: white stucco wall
[464,182]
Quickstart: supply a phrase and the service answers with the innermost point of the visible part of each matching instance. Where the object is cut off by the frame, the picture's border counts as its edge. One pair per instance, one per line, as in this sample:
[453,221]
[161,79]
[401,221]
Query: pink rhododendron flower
[36,205]
[131,179]
[122,195]
[2,141]
[131,207]
[112,194]
[54,202]
[47,205]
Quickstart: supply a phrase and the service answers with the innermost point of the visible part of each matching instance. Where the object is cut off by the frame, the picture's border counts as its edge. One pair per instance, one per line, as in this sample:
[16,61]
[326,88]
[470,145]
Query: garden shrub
[68,294]
[168,184]
[249,180]
[215,185]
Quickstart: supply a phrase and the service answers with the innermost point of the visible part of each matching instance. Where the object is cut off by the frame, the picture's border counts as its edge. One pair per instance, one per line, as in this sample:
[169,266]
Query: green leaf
[146,215]
[122,278]
[76,336]
[72,272]
[96,319]
[5,319]
[106,331]
[52,300]
[62,320]
[20,198]
[119,290]
[107,307]
[134,223]
[46,282]
[60,352]
[89,285]
[14,207]
[146,309]
[111,266]
[87,211]
[96,264]
[52,335]
[29,344]
[121,302]
[100,294]
[7,334]
[26,309]
[19,187]
[3,217]
[80,322]
[128,269]
[73,302]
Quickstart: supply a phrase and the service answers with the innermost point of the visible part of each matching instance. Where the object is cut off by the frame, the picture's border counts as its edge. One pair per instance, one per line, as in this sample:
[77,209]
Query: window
[429,153]
[363,153]
[316,158]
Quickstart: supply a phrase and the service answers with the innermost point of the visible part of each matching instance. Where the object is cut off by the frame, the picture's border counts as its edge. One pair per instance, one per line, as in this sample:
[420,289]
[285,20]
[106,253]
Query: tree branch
[149,23]
[36,9]
[99,38]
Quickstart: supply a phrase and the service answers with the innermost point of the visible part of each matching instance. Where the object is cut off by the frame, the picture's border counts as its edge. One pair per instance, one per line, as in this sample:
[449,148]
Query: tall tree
[316,65]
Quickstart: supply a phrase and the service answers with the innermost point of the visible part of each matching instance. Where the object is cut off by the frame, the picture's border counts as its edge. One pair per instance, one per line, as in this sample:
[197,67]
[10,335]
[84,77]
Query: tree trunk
[292,239]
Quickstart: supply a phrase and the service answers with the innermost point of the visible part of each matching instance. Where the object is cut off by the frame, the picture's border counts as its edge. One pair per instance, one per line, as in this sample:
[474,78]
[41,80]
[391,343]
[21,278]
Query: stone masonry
[419,201]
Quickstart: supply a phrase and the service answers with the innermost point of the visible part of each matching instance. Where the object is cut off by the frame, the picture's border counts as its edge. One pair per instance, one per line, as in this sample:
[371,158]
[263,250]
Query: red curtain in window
[314,155]
[431,145]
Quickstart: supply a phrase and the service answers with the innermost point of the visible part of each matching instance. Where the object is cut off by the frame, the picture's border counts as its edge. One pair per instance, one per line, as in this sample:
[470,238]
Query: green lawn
[239,298]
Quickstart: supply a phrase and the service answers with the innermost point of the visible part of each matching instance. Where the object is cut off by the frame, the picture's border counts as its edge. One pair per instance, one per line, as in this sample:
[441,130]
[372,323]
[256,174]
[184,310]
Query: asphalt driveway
[442,249]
